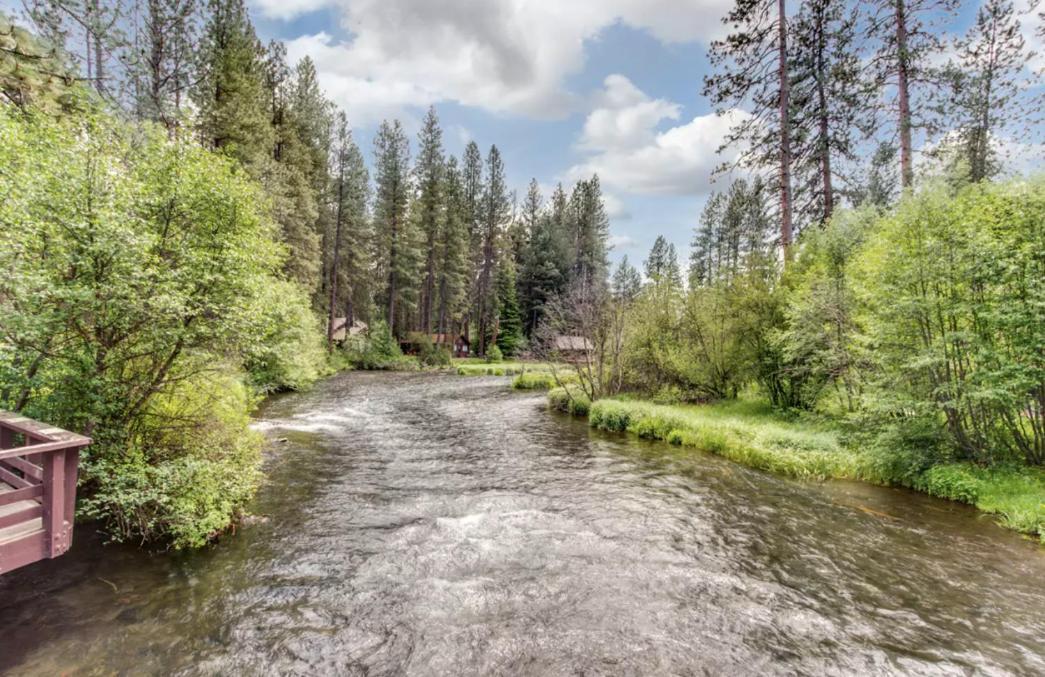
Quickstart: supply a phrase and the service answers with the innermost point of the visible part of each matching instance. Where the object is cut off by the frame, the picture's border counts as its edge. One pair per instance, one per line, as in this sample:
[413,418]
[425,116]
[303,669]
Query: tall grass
[753,434]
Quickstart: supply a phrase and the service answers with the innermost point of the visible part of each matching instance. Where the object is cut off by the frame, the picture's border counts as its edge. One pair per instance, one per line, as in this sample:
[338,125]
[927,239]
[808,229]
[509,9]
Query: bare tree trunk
[337,254]
[785,133]
[903,66]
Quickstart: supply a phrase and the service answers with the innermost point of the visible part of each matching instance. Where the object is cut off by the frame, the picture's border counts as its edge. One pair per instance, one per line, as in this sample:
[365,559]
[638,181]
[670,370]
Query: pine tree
[428,174]
[879,182]
[903,63]
[162,67]
[752,73]
[32,71]
[348,269]
[451,250]
[471,196]
[830,103]
[90,33]
[509,335]
[230,91]
[285,171]
[626,282]
[396,249]
[988,87]
[589,228]
[662,265]
[493,217]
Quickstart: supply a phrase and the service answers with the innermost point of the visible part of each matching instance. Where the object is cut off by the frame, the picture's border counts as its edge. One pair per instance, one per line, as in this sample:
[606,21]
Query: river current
[443,525]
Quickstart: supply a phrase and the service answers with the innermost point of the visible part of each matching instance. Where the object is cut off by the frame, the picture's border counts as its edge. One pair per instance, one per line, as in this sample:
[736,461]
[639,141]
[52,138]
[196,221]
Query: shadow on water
[441,525]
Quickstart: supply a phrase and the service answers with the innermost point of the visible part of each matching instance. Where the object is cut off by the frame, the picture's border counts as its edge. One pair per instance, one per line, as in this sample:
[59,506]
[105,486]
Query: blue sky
[564,88]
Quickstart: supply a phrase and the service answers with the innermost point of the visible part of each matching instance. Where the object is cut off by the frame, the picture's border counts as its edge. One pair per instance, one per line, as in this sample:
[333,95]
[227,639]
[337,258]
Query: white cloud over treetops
[505,56]
[631,152]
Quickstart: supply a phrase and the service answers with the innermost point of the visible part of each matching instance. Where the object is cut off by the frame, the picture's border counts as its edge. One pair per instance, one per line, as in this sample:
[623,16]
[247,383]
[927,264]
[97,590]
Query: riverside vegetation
[184,216]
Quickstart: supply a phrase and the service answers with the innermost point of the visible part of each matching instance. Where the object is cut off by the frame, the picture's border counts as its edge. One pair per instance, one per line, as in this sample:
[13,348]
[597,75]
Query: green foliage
[376,350]
[33,72]
[138,265]
[542,380]
[509,325]
[569,399]
[494,354]
[287,351]
[954,285]
[429,354]
[190,466]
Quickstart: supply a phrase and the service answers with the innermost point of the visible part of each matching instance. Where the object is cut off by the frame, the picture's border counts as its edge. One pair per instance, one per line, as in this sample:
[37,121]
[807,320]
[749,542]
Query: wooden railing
[38,468]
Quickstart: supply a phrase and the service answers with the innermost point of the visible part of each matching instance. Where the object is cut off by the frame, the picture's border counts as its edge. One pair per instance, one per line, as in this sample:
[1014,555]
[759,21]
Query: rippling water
[445,525]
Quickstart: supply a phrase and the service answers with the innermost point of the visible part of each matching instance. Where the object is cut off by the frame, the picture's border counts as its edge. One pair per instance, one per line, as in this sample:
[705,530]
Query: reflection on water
[443,525]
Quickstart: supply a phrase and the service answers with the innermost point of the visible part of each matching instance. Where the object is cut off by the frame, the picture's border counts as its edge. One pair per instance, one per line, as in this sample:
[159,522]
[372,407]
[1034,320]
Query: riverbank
[755,435]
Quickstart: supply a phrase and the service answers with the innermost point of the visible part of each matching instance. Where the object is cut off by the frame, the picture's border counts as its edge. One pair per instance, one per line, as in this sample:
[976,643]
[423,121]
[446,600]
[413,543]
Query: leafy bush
[431,355]
[377,350]
[570,400]
[287,351]
[493,354]
[190,467]
[541,380]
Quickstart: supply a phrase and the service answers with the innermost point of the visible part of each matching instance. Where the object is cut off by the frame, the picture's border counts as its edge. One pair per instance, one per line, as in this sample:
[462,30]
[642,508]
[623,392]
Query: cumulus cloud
[618,242]
[509,56]
[629,151]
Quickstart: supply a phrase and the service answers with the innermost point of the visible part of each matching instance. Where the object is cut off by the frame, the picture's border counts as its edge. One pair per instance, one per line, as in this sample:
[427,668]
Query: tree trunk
[337,254]
[825,127]
[785,134]
[903,66]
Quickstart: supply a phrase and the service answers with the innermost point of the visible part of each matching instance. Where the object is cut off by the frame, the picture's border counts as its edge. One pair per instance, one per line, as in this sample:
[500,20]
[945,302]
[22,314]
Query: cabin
[38,469]
[571,348]
[459,346]
[341,332]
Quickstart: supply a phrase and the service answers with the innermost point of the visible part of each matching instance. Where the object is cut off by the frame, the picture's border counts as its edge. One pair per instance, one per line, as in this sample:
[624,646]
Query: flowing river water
[443,525]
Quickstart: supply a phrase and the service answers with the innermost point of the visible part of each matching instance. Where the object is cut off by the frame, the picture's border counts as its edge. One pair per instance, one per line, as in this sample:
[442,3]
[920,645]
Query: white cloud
[615,207]
[284,10]
[510,56]
[622,242]
[630,153]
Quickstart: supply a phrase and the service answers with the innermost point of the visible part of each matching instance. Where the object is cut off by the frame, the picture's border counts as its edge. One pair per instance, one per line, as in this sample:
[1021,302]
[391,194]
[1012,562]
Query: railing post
[54,503]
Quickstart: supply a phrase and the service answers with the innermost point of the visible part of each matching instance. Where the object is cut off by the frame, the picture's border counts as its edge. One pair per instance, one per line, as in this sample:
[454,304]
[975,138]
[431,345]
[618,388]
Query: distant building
[572,348]
[459,346]
[340,334]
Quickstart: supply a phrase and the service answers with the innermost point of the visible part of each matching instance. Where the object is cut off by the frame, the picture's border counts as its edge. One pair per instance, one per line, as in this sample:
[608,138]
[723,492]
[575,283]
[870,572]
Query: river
[421,524]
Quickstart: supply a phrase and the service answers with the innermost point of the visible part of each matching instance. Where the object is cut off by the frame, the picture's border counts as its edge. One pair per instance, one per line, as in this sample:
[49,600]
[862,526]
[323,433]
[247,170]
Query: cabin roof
[571,343]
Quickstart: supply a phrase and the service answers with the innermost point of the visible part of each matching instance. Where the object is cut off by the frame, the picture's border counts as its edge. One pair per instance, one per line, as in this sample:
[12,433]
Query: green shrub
[186,474]
[569,399]
[493,354]
[287,351]
[377,350]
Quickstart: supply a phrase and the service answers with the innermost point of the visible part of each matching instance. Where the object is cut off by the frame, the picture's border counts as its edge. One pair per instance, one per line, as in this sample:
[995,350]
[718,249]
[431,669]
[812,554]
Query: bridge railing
[38,470]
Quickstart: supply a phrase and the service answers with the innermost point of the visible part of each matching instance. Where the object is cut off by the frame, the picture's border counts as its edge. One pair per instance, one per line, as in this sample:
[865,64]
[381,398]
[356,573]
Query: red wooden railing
[38,466]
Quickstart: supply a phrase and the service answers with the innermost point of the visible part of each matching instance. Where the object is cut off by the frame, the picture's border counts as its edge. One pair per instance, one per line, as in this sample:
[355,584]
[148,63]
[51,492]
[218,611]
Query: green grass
[753,434]
[541,380]
[478,367]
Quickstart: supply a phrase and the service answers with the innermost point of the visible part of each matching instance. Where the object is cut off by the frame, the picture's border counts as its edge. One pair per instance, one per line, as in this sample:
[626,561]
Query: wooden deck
[38,469]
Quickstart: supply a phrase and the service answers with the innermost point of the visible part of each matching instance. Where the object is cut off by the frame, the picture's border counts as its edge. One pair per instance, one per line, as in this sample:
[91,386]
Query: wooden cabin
[38,468]
[571,348]
[458,345]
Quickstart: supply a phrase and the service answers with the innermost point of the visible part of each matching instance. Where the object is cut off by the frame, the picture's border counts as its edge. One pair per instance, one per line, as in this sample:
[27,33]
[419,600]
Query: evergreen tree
[509,325]
[988,86]
[494,214]
[662,266]
[91,34]
[626,282]
[752,73]
[162,67]
[903,66]
[471,196]
[33,71]
[430,210]
[880,180]
[396,248]
[829,104]
[230,94]
[349,270]
[589,228]
[451,249]
[286,171]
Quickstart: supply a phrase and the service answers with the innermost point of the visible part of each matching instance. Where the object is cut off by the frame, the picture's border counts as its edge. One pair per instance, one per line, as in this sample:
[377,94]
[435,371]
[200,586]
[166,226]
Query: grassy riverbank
[754,434]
